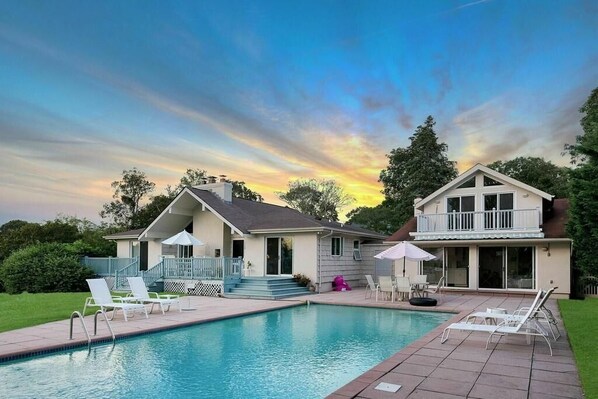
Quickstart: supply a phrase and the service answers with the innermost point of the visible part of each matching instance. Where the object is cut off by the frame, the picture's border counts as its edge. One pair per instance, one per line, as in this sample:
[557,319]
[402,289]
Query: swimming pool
[300,352]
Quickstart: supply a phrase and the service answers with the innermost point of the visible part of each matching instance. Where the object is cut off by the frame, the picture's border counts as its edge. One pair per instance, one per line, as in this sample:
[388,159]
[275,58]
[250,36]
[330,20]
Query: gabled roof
[124,234]
[251,217]
[487,171]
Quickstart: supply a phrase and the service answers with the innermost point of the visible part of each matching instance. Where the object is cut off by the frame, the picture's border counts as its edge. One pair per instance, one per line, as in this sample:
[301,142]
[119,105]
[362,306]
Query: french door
[279,256]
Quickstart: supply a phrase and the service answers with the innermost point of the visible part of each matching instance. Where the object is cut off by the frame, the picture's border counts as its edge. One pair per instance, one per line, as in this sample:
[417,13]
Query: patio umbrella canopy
[405,250]
[183,238]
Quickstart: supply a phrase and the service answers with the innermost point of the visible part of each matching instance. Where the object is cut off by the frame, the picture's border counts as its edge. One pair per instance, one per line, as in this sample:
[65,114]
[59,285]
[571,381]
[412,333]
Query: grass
[581,322]
[26,310]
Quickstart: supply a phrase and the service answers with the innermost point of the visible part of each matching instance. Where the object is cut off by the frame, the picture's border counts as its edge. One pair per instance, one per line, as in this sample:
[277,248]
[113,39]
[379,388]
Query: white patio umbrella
[405,250]
[183,239]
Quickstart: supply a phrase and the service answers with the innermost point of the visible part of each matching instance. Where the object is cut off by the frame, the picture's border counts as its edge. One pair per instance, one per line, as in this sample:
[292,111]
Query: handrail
[78,314]
[95,323]
[125,272]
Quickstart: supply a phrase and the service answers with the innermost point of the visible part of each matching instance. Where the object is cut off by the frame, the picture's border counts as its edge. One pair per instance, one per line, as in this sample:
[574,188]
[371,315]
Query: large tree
[128,194]
[380,218]
[583,211]
[415,171]
[319,198]
[537,172]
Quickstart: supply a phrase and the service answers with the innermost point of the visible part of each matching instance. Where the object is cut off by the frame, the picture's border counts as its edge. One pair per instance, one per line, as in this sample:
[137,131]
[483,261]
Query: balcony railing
[486,221]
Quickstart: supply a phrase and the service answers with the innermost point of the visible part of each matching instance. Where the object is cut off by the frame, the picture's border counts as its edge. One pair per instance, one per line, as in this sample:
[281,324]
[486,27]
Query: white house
[491,233]
[273,240]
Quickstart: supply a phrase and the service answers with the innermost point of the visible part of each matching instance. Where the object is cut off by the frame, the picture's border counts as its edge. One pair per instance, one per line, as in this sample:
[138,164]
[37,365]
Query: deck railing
[201,268]
[494,220]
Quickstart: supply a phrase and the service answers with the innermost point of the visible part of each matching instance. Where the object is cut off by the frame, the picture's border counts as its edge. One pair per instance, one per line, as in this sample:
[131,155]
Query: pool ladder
[77,314]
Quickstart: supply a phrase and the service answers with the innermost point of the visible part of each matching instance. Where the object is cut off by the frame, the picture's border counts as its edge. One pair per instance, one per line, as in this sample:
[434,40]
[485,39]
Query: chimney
[415,210]
[222,189]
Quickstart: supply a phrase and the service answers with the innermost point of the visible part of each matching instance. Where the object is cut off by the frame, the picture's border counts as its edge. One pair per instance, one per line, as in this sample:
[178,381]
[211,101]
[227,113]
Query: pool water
[300,352]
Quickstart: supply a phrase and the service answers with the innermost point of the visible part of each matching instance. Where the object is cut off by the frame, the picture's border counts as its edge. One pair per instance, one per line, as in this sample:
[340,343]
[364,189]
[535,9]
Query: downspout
[319,271]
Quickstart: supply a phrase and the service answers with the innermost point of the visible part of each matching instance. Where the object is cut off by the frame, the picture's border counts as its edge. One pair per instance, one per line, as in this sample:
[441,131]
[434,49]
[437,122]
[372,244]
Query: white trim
[494,174]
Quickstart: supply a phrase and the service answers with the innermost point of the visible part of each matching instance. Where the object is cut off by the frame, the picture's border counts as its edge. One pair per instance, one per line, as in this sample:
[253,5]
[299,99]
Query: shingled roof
[250,217]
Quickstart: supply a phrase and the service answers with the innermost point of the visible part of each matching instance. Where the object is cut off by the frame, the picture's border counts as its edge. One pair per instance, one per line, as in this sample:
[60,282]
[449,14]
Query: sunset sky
[270,91]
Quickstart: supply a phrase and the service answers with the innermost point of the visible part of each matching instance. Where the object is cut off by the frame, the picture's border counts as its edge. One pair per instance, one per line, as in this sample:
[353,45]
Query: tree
[415,171]
[240,190]
[538,173]
[319,198]
[128,194]
[583,212]
[152,210]
[381,219]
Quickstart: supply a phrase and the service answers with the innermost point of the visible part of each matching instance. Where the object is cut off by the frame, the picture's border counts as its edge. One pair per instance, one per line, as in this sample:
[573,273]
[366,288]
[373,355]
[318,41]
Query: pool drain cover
[387,387]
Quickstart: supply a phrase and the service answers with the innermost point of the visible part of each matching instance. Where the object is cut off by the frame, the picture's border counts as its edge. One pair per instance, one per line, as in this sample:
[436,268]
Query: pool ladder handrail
[95,325]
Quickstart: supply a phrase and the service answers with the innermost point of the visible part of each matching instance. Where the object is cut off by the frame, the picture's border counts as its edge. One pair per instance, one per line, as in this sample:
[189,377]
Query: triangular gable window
[488,181]
[468,183]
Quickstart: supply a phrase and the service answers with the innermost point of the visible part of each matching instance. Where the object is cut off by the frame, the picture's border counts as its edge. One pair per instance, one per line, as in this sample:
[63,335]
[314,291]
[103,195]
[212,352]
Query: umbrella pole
[403,267]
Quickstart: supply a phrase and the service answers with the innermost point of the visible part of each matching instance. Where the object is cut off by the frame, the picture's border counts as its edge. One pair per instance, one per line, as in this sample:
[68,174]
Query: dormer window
[468,183]
[488,181]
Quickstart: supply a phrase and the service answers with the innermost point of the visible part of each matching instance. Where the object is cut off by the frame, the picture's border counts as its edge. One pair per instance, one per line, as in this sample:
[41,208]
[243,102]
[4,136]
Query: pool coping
[563,382]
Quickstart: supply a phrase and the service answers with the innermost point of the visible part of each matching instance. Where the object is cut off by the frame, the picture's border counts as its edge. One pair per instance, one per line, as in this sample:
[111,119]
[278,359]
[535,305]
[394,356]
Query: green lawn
[581,322]
[25,310]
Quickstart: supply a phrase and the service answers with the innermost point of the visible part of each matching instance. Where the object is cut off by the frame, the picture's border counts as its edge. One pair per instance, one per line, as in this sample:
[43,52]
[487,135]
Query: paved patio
[460,368]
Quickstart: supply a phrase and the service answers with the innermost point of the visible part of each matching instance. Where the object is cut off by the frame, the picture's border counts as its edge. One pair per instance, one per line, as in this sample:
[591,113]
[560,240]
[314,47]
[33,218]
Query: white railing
[494,220]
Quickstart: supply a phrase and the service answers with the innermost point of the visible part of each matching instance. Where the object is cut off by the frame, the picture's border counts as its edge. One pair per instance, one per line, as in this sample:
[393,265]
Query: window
[433,268]
[337,246]
[520,267]
[464,220]
[498,211]
[356,250]
[468,183]
[488,181]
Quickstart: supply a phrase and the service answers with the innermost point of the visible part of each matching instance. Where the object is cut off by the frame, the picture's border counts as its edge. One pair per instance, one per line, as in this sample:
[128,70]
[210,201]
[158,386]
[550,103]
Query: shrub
[302,279]
[47,267]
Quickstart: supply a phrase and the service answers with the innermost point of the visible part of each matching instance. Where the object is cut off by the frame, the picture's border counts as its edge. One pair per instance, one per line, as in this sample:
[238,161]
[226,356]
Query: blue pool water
[300,352]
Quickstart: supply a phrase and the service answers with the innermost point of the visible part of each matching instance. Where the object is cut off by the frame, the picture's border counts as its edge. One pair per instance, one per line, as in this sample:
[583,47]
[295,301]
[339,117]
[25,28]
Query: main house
[271,240]
[490,232]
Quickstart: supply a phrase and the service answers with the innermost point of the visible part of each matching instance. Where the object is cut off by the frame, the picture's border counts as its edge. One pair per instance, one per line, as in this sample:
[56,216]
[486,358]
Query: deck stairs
[267,288]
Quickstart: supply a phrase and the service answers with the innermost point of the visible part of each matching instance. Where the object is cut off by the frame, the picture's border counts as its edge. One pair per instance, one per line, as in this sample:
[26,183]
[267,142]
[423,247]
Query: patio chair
[386,287]
[510,326]
[540,313]
[139,291]
[403,287]
[371,287]
[101,297]
[437,289]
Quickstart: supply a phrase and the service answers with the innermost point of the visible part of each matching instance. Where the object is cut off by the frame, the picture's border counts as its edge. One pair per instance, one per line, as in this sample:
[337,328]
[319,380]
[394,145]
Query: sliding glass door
[279,255]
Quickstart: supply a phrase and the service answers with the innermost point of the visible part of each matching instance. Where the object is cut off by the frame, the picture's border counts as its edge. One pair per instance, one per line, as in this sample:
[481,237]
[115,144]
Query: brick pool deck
[459,368]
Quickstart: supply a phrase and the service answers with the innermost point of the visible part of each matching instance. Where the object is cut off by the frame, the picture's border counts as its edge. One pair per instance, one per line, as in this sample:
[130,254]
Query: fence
[107,266]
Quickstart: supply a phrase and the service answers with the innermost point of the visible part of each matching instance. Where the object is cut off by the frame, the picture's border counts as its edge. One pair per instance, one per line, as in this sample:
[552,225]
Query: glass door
[498,213]
[491,267]
[279,255]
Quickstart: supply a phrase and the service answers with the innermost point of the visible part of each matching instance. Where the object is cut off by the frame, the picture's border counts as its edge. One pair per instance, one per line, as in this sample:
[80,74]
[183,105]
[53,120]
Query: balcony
[520,223]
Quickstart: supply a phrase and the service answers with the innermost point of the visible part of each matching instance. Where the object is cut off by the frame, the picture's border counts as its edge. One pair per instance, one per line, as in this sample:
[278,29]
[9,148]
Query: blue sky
[270,91]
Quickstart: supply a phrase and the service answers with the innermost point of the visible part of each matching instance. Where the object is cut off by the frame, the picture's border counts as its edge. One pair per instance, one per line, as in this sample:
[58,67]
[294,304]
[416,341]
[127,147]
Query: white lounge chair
[540,313]
[437,289]
[403,287]
[371,287]
[506,327]
[386,287]
[139,291]
[101,297]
